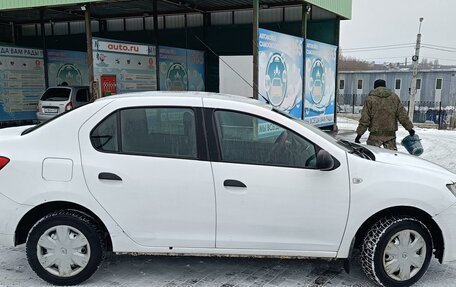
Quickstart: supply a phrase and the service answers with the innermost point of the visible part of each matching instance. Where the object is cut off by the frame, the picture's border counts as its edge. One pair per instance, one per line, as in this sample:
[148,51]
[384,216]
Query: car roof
[199,95]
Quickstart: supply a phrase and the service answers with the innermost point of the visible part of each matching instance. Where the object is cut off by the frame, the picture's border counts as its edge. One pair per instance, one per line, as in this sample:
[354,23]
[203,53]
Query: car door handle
[233,183]
[109,176]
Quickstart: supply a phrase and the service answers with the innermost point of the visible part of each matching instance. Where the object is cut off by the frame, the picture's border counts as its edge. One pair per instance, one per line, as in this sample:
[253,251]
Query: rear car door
[270,196]
[146,165]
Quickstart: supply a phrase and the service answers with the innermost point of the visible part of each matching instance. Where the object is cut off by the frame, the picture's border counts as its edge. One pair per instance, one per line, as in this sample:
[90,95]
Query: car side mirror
[324,161]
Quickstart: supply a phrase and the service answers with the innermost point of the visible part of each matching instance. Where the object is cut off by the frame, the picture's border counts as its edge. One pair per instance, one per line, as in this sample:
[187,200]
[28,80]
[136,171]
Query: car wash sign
[21,82]
[280,71]
[319,98]
[124,67]
[181,69]
[119,47]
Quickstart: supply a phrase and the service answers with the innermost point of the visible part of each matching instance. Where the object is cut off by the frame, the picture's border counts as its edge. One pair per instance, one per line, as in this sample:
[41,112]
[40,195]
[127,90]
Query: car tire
[65,248]
[394,245]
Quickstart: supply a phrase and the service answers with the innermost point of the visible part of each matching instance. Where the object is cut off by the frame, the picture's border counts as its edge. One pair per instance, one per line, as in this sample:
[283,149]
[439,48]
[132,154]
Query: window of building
[438,84]
[360,84]
[418,84]
[398,84]
[341,84]
[250,140]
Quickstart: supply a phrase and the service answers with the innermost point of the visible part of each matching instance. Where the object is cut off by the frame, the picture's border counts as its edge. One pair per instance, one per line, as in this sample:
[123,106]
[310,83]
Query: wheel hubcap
[63,251]
[404,255]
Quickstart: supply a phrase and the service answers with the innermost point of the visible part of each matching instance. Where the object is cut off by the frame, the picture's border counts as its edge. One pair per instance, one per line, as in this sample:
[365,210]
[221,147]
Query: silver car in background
[57,100]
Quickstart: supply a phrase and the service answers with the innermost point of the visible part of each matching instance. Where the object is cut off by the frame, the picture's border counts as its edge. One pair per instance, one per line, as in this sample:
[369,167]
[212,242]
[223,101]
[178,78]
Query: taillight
[69,106]
[3,161]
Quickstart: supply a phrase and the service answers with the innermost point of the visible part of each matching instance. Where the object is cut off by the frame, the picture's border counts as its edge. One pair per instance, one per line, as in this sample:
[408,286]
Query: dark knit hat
[379,83]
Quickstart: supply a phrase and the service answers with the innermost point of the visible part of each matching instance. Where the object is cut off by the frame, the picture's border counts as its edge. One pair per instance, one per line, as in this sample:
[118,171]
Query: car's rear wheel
[396,251]
[65,248]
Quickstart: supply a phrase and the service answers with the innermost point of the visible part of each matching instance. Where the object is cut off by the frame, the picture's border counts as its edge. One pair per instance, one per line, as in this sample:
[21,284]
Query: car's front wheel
[65,248]
[396,251]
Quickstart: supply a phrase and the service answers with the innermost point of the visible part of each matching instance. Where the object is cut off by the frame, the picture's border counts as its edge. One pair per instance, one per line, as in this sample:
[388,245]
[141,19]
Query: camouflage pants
[388,142]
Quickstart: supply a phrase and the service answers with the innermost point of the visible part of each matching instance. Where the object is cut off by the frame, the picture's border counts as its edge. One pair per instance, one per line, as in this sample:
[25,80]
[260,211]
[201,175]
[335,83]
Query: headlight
[452,188]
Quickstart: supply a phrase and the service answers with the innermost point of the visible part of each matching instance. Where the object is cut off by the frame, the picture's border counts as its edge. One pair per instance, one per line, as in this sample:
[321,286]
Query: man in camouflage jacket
[381,112]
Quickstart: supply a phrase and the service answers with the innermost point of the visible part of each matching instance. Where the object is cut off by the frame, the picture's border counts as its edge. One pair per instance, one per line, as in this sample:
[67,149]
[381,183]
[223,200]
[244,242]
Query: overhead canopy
[67,10]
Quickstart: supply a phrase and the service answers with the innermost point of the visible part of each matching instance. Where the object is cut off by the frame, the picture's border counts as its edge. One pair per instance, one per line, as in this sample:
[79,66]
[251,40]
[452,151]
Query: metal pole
[256,9]
[337,72]
[88,30]
[157,47]
[305,13]
[415,72]
[206,23]
[440,115]
[13,33]
[186,49]
[43,40]
[353,103]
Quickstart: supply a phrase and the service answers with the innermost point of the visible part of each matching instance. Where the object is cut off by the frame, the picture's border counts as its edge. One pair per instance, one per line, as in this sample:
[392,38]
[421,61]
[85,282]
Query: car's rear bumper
[44,117]
[10,214]
[446,221]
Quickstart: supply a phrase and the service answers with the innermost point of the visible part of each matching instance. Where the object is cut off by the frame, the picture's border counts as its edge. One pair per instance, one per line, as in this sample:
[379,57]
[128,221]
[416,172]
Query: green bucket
[413,145]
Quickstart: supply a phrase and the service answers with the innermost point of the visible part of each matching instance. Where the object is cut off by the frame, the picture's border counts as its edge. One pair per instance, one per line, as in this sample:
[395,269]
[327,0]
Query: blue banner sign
[181,69]
[319,99]
[21,82]
[280,71]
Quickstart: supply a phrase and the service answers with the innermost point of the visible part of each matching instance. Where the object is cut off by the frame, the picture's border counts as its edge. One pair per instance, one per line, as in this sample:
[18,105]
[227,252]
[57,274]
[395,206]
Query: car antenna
[236,72]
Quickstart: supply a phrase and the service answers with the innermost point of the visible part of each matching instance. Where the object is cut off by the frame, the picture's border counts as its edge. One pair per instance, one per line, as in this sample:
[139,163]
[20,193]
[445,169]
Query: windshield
[56,94]
[326,136]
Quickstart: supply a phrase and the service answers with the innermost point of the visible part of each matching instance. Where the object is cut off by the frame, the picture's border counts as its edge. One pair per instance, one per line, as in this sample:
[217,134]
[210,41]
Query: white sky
[392,22]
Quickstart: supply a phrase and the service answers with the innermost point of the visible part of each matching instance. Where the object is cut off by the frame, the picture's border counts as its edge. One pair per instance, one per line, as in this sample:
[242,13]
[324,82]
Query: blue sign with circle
[280,71]
[319,97]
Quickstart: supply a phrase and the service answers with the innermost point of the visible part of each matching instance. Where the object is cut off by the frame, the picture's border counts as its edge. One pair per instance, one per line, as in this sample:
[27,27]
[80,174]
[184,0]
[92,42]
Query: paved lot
[210,271]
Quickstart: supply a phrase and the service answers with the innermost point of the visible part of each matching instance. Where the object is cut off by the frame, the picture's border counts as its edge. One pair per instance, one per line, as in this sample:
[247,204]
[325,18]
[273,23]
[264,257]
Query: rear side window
[104,136]
[167,132]
[82,95]
[162,132]
[56,94]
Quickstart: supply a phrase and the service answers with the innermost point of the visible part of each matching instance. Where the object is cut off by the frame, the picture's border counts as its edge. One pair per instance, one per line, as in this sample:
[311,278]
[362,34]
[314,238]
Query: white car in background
[196,173]
[57,100]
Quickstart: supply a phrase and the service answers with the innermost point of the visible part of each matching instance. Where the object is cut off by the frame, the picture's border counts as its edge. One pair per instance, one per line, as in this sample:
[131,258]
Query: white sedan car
[206,174]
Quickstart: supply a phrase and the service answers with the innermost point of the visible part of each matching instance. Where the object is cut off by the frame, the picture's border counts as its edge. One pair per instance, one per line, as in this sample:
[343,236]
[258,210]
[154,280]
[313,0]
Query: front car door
[144,162]
[269,194]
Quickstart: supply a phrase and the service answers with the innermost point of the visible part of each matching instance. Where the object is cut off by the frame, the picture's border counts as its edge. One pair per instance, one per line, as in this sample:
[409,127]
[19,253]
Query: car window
[82,95]
[251,140]
[56,94]
[169,132]
[104,136]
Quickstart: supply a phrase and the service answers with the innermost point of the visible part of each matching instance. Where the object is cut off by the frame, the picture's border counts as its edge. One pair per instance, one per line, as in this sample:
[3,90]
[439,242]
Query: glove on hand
[358,137]
[412,132]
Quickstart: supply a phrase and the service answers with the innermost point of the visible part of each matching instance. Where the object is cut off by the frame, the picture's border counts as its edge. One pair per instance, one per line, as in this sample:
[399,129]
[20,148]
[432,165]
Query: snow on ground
[229,272]
[438,145]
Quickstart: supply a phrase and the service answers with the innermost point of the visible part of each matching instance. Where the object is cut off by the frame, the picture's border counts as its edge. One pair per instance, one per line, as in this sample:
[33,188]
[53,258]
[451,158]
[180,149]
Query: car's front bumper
[10,214]
[447,223]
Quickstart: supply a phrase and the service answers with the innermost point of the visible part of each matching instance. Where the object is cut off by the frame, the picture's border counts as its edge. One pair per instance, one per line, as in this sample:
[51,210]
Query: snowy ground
[229,272]
[438,145]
